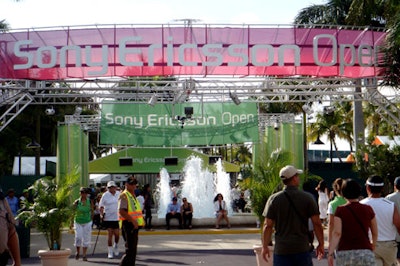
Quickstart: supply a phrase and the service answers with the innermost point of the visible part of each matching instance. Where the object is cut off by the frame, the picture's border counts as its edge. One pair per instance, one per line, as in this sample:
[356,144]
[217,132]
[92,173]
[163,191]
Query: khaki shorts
[386,253]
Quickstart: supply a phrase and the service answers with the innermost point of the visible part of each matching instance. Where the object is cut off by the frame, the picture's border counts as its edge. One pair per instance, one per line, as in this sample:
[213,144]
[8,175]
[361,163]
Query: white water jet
[164,193]
[199,186]
[223,186]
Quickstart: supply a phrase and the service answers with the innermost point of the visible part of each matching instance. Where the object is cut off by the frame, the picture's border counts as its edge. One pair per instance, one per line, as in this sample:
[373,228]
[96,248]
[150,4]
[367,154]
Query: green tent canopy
[152,160]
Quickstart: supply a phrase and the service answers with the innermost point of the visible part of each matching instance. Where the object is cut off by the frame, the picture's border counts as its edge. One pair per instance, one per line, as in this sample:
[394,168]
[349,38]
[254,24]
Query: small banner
[177,125]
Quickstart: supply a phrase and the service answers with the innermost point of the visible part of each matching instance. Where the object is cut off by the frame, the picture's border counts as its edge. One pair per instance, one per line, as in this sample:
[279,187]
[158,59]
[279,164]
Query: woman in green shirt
[337,201]
[83,223]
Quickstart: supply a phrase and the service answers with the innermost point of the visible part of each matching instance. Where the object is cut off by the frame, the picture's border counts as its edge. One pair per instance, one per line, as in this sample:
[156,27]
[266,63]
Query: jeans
[299,259]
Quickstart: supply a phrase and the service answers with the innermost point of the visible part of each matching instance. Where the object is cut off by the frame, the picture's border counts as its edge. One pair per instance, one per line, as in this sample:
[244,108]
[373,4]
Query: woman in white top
[221,211]
[323,200]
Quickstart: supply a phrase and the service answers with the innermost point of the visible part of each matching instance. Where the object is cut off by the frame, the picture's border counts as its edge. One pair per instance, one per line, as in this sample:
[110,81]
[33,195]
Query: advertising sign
[177,125]
[172,51]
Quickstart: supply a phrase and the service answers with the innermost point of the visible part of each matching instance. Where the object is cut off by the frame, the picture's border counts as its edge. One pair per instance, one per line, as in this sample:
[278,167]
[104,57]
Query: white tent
[104,178]
[27,166]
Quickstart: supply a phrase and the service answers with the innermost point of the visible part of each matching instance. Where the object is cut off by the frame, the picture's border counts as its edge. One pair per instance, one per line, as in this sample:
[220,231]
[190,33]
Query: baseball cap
[111,184]
[83,189]
[174,198]
[131,180]
[397,181]
[289,171]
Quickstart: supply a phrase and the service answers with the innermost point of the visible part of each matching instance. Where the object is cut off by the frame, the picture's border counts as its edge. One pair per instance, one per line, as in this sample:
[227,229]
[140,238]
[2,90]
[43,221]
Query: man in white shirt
[109,212]
[388,220]
[395,197]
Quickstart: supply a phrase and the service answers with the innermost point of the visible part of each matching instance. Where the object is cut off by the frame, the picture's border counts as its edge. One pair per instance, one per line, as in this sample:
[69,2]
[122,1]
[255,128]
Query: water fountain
[164,193]
[199,186]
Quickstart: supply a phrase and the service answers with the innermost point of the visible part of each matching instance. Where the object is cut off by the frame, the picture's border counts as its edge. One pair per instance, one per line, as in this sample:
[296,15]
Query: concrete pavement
[217,247]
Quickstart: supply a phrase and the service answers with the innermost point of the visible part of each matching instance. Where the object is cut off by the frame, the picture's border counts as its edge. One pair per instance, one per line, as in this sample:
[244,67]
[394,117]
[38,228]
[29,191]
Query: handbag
[310,234]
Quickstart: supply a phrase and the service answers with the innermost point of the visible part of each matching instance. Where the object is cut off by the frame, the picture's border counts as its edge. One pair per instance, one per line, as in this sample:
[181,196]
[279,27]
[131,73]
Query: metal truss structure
[16,95]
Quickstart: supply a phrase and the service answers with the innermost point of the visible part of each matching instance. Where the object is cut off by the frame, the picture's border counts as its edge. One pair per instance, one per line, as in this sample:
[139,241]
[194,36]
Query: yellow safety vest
[134,209]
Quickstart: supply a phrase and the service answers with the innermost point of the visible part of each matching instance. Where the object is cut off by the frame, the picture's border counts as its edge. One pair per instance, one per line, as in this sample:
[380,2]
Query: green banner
[173,125]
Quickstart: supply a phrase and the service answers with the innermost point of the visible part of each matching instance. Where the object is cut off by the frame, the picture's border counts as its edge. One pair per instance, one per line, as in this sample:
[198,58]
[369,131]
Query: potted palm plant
[262,184]
[49,213]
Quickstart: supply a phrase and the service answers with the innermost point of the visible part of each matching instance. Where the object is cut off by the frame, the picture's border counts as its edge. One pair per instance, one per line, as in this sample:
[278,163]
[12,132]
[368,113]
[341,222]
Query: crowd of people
[361,231]
[117,210]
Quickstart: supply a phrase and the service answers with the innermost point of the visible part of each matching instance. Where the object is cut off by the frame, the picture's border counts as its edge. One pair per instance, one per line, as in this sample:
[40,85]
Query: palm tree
[333,13]
[3,25]
[333,123]
[392,52]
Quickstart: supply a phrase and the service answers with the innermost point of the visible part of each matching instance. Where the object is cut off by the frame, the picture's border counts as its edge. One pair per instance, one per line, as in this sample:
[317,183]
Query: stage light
[153,100]
[234,98]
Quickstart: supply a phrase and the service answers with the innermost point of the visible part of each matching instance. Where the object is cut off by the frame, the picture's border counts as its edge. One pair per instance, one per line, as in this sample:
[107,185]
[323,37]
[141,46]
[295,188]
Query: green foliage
[379,160]
[265,179]
[52,207]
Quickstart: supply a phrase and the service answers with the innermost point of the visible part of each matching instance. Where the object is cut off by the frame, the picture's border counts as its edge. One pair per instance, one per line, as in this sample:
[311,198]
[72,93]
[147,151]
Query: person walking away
[323,200]
[221,210]
[395,197]
[287,212]
[187,213]
[130,219]
[353,221]
[148,200]
[9,243]
[82,223]
[337,201]
[109,214]
[388,221]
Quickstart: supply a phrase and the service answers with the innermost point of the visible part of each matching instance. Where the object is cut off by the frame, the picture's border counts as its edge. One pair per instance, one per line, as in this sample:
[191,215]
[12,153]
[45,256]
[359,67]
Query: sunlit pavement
[206,246]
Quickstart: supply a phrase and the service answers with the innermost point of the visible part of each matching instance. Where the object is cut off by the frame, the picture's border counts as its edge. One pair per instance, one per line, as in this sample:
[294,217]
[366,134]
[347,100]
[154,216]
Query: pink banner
[206,51]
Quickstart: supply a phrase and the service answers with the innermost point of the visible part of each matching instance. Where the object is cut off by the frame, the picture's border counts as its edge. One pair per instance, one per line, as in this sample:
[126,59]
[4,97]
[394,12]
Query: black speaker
[213,159]
[171,160]
[188,112]
[125,161]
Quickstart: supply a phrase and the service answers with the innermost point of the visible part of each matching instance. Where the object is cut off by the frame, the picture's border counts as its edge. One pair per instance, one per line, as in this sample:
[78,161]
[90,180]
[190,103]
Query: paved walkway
[216,247]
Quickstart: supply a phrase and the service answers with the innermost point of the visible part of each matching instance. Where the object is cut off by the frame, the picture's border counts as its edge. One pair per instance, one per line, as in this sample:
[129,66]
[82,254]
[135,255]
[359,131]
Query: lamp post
[318,142]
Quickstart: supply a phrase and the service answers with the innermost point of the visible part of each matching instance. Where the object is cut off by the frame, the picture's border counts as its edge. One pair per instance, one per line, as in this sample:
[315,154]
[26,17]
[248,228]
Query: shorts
[111,224]
[355,257]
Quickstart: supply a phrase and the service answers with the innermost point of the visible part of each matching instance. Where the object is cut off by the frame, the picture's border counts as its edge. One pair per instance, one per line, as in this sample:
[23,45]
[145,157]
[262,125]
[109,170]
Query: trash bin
[24,237]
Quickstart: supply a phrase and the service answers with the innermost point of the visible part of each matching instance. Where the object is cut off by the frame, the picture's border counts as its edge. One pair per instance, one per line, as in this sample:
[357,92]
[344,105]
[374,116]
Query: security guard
[130,219]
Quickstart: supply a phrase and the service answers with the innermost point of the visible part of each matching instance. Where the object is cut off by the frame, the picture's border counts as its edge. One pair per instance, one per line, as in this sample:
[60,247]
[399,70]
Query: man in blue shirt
[13,201]
[173,211]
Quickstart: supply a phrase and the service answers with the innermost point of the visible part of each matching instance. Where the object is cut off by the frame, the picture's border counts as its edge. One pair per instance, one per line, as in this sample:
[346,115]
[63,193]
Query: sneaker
[110,253]
[116,251]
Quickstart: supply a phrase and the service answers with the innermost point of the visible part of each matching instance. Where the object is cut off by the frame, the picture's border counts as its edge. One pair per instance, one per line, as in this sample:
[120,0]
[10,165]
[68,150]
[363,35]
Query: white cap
[111,184]
[289,171]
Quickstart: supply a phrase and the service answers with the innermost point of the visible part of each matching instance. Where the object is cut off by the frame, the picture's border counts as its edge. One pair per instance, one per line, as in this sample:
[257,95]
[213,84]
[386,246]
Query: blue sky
[47,13]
